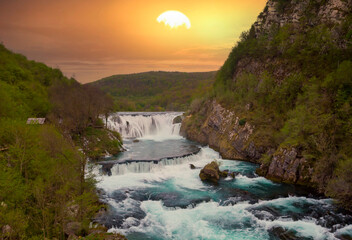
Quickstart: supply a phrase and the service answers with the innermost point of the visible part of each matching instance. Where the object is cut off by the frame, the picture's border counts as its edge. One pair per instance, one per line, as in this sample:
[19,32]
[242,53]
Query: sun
[174,19]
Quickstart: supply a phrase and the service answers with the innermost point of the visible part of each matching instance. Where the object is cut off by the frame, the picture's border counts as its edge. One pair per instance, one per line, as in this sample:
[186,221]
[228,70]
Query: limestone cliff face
[220,128]
[288,166]
[295,12]
[222,131]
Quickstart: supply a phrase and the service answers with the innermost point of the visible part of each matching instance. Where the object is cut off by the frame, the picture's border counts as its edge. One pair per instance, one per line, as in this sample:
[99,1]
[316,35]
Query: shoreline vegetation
[283,98]
[45,191]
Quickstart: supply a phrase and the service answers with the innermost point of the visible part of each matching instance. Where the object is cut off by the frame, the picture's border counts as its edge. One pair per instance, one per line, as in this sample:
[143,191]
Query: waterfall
[205,154]
[145,125]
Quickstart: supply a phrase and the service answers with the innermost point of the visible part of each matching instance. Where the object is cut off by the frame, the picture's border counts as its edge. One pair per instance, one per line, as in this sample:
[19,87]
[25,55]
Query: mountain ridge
[155,90]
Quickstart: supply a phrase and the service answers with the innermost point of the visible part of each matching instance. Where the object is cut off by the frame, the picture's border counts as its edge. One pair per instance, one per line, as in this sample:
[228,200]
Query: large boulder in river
[212,173]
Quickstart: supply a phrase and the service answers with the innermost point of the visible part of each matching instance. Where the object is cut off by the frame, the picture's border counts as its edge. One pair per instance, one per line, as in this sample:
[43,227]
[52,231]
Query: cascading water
[159,143]
[156,126]
[153,195]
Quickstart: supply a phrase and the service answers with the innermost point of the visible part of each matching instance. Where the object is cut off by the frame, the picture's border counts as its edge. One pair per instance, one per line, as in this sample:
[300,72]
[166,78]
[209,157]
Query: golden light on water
[174,19]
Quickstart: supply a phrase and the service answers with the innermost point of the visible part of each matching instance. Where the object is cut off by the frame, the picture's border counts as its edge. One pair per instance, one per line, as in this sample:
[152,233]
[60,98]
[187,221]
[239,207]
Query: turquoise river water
[152,192]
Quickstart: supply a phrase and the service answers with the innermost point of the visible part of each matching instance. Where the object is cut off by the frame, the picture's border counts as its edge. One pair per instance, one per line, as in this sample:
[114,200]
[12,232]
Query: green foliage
[97,142]
[156,91]
[266,159]
[23,86]
[294,84]
[42,174]
[242,122]
[339,186]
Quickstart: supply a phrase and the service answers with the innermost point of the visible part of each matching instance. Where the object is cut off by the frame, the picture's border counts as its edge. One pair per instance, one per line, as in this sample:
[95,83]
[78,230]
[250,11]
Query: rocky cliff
[223,131]
[282,12]
[271,102]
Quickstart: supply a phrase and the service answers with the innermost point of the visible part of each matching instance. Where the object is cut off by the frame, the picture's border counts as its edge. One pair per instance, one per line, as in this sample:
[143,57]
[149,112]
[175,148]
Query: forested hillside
[155,91]
[288,86]
[44,190]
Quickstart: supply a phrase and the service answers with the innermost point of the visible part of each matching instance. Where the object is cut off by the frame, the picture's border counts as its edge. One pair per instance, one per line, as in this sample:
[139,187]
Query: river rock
[281,233]
[212,173]
[192,166]
[224,173]
[177,119]
[232,174]
[344,236]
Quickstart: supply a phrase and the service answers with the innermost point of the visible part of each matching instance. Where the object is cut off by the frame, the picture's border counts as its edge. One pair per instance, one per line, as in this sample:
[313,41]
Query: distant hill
[156,91]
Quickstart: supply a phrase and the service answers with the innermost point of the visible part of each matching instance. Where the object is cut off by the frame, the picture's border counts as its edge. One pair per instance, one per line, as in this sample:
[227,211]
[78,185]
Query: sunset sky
[91,39]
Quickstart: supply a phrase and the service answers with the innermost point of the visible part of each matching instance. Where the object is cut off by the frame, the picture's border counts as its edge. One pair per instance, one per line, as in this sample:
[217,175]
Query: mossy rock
[261,171]
[177,119]
[212,173]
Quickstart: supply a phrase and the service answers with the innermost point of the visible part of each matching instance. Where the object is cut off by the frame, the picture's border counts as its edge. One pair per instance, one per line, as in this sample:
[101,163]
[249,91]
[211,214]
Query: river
[152,192]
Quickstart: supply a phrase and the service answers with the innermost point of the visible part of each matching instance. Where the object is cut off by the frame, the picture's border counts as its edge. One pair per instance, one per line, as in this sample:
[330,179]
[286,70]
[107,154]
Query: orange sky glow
[94,39]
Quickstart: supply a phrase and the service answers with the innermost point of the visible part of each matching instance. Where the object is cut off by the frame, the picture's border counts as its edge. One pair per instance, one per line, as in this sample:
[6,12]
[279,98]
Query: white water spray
[152,166]
[154,126]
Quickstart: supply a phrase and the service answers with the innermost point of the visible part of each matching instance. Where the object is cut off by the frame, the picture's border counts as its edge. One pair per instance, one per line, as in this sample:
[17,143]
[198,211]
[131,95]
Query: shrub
[242,122]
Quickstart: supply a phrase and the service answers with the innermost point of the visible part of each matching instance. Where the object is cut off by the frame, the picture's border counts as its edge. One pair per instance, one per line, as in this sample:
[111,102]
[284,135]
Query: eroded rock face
[294,12]
[177,119]
[220,129]
[287,166]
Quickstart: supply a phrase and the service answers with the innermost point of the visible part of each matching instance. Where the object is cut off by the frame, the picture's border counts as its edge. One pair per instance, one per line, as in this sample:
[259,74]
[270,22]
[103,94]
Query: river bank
[167,200]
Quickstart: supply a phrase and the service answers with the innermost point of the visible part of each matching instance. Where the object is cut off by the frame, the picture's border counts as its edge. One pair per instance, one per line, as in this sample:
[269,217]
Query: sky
[92,39]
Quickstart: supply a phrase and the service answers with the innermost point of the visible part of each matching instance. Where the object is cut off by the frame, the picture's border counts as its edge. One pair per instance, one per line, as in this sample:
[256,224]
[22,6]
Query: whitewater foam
[127,176]
[147,126]
[173,203]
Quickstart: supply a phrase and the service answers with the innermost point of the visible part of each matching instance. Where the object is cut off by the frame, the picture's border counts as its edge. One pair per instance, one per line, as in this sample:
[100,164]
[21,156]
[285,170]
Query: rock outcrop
[226,131]
[177,119]
[288,166]
[222,131]
[212,173]
[280,13]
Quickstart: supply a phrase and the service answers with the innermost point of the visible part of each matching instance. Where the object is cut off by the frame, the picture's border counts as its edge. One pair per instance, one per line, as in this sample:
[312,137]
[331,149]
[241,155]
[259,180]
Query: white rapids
[165,198]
